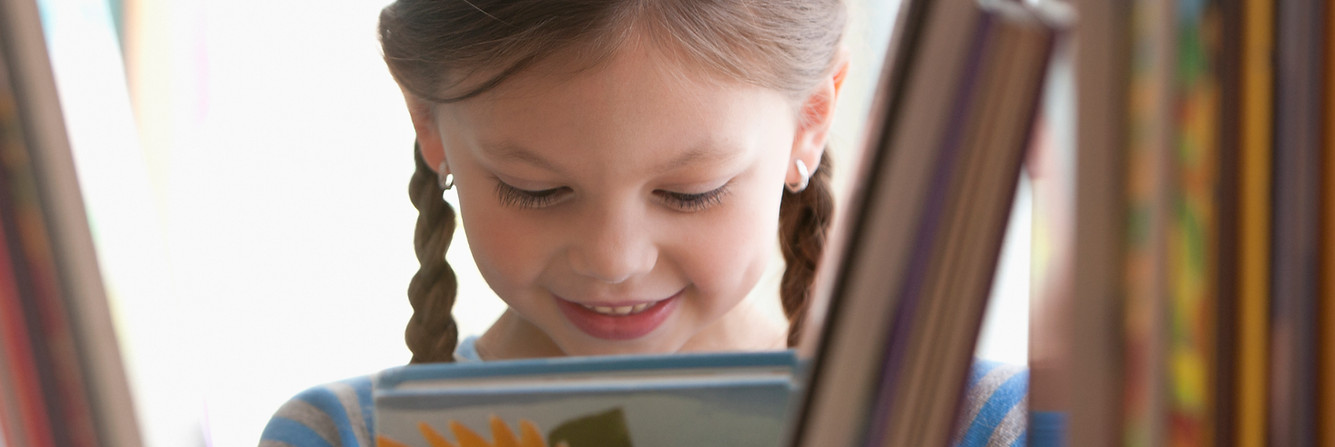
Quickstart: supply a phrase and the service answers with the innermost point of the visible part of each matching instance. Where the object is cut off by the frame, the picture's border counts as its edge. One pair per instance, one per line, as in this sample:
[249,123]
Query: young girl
[620,167]
[623,168]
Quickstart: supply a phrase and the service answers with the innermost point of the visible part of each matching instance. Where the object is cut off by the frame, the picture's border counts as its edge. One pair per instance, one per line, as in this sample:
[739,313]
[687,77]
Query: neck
[747,327]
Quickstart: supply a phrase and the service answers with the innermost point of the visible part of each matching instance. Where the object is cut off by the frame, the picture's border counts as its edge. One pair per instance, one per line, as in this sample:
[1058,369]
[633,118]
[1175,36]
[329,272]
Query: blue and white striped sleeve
[995,409]
[332,415]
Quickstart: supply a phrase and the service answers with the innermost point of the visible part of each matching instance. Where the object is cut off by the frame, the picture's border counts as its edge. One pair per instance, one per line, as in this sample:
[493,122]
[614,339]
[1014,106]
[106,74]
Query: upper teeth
[618,310]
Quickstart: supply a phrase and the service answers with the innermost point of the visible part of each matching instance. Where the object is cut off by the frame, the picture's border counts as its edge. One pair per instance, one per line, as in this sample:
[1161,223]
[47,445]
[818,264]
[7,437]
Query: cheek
[736,245]
[507,251]
[730,254]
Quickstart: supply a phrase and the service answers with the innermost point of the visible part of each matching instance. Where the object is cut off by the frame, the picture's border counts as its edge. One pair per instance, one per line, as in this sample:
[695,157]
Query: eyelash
[695,202]
[525,199]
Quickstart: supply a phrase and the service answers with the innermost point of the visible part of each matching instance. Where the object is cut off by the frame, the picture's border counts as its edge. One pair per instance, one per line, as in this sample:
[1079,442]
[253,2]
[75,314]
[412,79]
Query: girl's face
[627,208]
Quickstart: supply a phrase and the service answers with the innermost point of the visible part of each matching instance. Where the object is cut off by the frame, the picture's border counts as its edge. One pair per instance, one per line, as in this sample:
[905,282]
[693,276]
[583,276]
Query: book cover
[734,399]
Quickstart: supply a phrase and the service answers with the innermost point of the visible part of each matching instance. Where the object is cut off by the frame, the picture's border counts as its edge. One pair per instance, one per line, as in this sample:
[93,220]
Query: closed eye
[693,202]
[526,199]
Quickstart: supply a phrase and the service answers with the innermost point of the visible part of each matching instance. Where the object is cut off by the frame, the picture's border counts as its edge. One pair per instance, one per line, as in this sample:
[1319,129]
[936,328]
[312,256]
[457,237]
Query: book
[1254,209]
[1148,139]
[1326,322]
[1192,226]
[921,238]
[733,399]
[1295,232]
[1094,383]
[1225,196]
[1050,166]
[63,381]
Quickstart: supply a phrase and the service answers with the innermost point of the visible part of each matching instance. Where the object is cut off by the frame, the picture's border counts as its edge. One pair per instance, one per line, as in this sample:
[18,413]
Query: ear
[428,133]
[815,117]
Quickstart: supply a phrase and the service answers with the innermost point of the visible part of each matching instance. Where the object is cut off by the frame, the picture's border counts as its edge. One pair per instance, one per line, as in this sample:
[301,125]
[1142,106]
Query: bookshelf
[1202,211]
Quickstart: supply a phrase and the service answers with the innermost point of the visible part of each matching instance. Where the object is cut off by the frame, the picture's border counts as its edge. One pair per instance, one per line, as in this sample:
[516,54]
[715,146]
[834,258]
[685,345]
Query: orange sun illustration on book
[501,436]
[605,429]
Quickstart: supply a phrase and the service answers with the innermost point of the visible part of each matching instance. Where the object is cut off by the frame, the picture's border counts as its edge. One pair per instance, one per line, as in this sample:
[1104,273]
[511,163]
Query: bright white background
[248,198]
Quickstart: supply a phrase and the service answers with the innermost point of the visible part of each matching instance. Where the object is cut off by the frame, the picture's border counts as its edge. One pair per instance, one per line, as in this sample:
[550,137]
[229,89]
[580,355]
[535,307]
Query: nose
[613,246]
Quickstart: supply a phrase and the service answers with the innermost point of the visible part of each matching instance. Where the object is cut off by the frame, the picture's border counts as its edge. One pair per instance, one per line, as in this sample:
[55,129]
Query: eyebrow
[698,154]
[702,153]
[519,154]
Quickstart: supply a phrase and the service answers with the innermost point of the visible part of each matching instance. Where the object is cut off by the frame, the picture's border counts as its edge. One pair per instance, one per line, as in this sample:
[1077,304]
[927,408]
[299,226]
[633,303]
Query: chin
[643,346]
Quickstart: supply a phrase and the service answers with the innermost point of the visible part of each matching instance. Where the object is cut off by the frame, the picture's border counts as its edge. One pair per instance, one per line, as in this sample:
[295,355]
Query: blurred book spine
[1253,260]
[1148,101]
[63,383]
[1326,377]
[1298,79]
[1226,302]
[1192,226]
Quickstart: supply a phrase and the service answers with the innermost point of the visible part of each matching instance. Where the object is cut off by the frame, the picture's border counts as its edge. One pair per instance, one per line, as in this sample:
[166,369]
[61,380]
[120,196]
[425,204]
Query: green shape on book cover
[606,429]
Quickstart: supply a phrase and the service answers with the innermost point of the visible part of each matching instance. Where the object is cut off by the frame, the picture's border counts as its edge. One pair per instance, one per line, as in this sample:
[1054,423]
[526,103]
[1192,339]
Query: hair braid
[431,333]
[804,219]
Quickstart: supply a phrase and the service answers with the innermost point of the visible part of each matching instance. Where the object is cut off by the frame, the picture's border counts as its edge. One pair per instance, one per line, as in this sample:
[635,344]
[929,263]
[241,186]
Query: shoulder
[338,414]
[995,409]
[335,415]
[466,351]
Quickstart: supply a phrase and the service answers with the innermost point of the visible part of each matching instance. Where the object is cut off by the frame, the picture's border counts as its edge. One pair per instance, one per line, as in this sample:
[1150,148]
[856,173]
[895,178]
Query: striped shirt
[995,406]
[339,414]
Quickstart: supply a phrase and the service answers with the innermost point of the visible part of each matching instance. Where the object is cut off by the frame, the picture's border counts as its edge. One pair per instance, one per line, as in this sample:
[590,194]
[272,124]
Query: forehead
[636,98]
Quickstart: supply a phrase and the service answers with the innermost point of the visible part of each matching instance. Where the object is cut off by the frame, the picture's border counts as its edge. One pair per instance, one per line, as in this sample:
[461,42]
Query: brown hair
[451,50]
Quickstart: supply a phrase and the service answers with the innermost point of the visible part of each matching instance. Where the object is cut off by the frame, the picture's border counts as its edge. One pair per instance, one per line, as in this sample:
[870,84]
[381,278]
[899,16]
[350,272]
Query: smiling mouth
[625,321]
[619,311]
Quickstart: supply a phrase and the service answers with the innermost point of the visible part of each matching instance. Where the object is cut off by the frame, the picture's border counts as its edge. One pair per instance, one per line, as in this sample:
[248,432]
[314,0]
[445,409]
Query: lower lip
[618,327]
